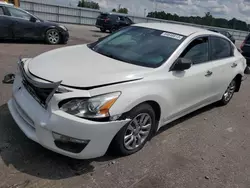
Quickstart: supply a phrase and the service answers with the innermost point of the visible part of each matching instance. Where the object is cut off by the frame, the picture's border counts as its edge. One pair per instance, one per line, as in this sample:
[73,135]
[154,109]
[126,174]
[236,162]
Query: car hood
[79,66]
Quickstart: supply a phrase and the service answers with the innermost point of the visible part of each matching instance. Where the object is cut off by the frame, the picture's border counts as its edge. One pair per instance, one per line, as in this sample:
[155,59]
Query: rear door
[22,26]
[224,64]
[5,24]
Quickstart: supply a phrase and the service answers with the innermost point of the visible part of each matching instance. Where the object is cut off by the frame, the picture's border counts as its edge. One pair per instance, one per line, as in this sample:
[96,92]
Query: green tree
[114,10]
[207,19]
[88,4]
[123,10]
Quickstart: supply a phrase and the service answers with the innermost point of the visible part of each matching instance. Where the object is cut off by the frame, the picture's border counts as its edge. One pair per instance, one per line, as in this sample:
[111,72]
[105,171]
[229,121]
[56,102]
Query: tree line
[207,19]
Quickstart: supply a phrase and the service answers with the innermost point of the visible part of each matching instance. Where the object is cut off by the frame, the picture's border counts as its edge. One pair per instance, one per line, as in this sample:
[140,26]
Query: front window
[140,46]
[197,51]
[19,13]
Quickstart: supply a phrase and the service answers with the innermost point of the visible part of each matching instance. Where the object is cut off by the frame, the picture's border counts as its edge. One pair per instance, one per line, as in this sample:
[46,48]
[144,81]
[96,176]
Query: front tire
[227,96]
[134,135]
[103,30]
[53,36]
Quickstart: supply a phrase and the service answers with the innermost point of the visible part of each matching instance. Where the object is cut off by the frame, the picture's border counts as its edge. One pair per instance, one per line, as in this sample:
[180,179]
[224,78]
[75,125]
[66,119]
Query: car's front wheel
[53,36]
[227,96]
[133,136]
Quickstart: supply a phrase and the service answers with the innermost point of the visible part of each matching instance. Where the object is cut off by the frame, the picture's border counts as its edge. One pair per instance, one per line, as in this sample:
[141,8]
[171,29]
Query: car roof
[174,28]
[115,14]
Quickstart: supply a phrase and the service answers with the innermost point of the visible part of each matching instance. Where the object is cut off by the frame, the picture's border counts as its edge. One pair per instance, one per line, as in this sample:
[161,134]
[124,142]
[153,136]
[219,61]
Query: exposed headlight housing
[95,107]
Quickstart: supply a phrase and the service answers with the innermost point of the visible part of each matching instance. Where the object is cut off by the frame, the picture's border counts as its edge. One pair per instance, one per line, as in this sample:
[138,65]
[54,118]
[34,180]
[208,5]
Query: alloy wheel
[137,131]
[230,91]
[53,37]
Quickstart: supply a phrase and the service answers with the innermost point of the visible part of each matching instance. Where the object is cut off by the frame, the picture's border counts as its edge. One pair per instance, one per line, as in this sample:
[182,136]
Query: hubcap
[230,91]
[137,131]
[53,37]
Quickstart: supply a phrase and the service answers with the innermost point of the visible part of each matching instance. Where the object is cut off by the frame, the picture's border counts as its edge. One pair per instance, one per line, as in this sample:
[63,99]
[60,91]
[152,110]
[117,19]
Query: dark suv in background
[245,49]
[112,21]
[225,33]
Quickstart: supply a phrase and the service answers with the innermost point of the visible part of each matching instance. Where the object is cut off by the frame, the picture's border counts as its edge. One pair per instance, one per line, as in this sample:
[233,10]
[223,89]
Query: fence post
[79,16]
[58,15]
[32,8]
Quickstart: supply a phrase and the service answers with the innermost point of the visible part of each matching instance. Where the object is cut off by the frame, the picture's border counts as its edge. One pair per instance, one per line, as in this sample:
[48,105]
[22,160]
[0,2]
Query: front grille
[41,92]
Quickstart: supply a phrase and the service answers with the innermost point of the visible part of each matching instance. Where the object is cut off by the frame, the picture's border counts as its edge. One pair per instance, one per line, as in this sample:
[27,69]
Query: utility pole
[145,12]
[155,7]
[119,7]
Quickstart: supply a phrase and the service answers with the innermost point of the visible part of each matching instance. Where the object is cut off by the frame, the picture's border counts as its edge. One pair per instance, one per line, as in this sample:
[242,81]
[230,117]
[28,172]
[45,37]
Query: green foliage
[207,19]
[123,10]
[114,10]
[88,4]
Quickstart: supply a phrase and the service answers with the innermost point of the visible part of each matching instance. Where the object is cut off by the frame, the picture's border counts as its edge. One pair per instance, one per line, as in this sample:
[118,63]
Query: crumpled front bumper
[38,124]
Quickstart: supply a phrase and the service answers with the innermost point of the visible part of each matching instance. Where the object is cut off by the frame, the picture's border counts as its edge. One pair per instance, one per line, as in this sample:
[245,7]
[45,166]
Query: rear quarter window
[220,48]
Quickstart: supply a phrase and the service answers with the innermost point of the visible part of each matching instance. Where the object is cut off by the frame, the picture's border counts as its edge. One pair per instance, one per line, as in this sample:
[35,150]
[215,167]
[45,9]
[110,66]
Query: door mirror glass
[181,64]
[32,19]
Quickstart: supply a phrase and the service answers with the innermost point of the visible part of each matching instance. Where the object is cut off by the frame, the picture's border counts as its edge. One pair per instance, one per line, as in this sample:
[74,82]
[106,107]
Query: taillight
[106,20]
[243,43]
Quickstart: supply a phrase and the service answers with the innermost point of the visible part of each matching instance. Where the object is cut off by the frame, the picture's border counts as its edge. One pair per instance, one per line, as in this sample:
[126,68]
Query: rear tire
[53,36]
[134,135]
[227,96]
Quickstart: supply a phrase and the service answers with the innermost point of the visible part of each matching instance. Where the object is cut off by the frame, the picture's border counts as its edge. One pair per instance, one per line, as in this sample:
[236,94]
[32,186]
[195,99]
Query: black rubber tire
[223,101]
[47,36]
[103,30]
[117,145]
[113,29]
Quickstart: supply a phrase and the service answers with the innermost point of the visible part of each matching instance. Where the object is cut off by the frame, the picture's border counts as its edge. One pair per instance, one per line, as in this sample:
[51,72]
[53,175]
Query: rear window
[103,16]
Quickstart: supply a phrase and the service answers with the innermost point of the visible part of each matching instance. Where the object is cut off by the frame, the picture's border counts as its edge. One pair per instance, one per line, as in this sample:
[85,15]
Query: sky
[228,9]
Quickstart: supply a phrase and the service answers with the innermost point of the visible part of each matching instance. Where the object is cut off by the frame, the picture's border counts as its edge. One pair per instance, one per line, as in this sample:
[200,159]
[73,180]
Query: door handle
[234,65]
[209,73]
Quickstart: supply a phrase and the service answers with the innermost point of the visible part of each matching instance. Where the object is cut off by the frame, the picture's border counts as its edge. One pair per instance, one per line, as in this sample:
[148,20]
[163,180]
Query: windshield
[140,46]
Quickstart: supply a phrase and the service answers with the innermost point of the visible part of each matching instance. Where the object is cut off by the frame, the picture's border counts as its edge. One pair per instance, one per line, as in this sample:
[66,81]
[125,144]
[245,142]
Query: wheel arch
[238,79]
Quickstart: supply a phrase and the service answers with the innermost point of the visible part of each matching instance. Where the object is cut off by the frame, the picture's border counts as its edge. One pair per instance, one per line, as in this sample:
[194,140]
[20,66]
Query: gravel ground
[208,148]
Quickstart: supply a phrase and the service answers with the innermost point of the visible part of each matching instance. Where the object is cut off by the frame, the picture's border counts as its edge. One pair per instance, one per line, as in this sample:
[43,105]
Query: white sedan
[117,92]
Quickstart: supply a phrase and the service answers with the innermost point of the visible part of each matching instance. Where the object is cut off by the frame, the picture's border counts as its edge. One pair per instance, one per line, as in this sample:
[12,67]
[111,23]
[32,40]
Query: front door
[190,89]
[5,24]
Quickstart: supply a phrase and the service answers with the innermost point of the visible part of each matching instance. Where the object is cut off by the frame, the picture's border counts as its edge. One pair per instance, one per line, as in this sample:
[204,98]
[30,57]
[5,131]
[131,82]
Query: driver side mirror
[32,19]
[181,64]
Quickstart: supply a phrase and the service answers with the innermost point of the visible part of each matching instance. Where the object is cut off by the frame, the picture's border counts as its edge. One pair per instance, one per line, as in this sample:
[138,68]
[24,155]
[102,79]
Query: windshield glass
[140,46]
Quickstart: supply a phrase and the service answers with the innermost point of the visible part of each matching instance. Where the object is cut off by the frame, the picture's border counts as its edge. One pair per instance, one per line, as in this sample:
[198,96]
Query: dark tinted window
[19,13]
[140,46]
[197,51]
[220,48]
[121,18]
[1,11]
[128,20]
[103,16]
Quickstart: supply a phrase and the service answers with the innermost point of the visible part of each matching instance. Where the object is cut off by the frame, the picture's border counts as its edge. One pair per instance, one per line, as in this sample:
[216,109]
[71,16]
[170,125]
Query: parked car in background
[245,49]
[112,21]
[119,91]
[225,33]
[16,23]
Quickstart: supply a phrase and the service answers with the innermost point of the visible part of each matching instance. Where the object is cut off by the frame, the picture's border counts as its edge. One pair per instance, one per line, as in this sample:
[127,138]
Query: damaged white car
[80,100]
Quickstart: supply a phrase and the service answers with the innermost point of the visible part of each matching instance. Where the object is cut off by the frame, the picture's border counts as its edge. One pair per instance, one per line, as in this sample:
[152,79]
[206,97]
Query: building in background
[14,2]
